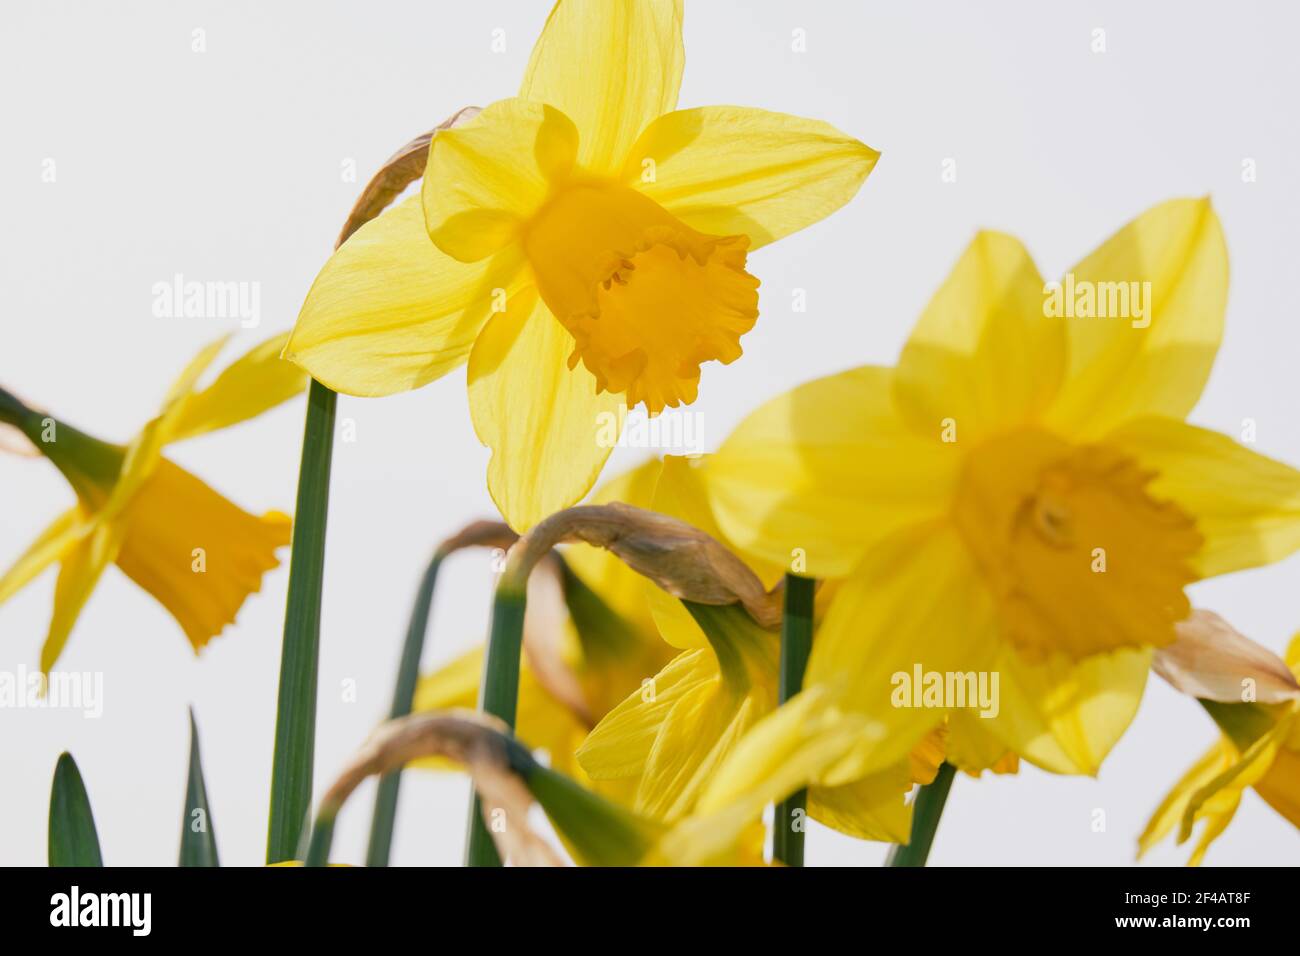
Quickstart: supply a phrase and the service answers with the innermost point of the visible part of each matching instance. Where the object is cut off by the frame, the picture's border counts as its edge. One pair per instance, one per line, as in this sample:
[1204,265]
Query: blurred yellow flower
[159,523]
[1259,748]
[582,246]
[672,738]
[1020,497]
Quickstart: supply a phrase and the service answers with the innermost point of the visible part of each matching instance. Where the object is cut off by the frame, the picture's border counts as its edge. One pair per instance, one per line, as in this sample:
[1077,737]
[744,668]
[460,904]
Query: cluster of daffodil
[1019,495]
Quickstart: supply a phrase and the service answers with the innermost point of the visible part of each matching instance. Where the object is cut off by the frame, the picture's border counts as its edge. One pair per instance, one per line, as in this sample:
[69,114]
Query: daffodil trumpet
[196,552]
[796,643]
[477,534]
[295,722]
[681,560]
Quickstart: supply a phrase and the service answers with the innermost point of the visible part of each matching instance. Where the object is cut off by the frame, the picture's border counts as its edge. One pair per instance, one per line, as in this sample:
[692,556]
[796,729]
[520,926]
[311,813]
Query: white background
[226,165]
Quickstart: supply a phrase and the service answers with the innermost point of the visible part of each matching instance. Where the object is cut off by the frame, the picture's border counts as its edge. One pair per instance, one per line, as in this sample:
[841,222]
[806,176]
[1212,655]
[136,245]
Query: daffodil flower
[1259,748]
[610,655]
[584,247]
[1019,497]
[199,554]
[672,736]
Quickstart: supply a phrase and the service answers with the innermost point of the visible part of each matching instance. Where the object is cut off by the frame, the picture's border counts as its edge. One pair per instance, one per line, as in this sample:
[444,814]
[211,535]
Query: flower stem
[926,812]
[499,696]
[408,672]
[295,725]
[796,643]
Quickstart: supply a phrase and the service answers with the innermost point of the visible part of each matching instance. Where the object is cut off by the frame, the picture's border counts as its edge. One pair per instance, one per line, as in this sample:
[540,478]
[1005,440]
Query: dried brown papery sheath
[477,741]
[1210,659]
[682,560]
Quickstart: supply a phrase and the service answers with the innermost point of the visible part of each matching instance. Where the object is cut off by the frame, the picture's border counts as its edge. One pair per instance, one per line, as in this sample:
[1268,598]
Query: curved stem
[926,811]
[791,815]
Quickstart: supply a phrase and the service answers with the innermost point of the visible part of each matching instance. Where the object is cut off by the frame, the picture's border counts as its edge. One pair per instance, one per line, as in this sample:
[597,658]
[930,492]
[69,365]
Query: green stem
[926,812]
[408,672]
[295,725]
[796,643]
[499,696]
[322,837]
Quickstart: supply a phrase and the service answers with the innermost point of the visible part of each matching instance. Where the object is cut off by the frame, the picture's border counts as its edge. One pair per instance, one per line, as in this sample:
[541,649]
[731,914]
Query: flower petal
[484,179]
[1246,506]
[730,170]
[1157,364]
[982,355]
[610,65]
[52,544]
[801,476]
[541,419]
[81,568]
[1170,811]
[254,383]
[390,312]
[884,624]
[1065,716]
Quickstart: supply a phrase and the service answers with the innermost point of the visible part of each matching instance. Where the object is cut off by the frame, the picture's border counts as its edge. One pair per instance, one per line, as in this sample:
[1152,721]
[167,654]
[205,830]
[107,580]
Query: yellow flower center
[647,298]
[1080,559]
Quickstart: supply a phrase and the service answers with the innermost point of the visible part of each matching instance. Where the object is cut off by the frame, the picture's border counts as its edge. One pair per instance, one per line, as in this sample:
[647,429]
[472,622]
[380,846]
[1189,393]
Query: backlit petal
[542,420]
[729,170]
[612,66]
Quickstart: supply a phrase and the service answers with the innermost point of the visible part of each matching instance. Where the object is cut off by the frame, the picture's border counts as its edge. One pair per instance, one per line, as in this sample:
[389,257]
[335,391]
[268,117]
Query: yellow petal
[1280,786]
[1155,364]
[486,178]
[612,66]
[729,170]
[620,745]
[543,421]
[1246,506]
[885,624]
[1170,811]
[390,312]
[802,477]
[982,357]
[199,554]
[254,383]
[872,808]
[1066,716]
[81,567]
[51,546]
[1217,798]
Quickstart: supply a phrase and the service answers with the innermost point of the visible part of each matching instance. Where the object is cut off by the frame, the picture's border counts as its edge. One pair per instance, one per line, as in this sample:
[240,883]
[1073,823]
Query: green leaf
[73,838]
[198,839]
[295,725]
[408,673]
[927,809]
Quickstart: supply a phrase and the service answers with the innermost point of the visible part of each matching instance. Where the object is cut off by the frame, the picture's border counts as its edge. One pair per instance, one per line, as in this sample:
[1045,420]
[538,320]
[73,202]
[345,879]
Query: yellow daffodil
[582,246]
[192,549]
[1259,747]
[606,645]
[1019,497]
[672,737]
